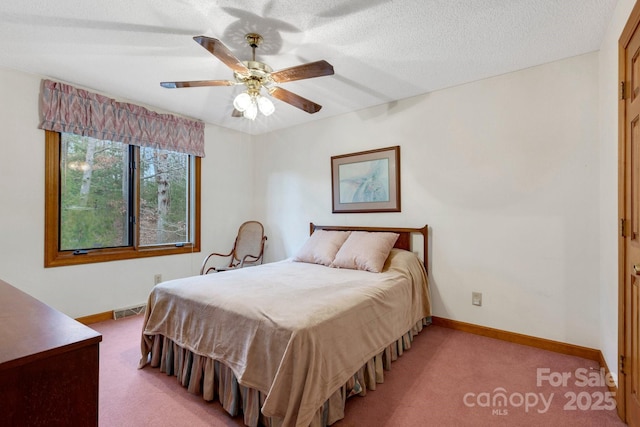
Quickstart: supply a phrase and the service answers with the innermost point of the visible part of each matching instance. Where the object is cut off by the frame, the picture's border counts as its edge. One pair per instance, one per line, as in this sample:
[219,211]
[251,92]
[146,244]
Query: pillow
[321,247]
[365,250]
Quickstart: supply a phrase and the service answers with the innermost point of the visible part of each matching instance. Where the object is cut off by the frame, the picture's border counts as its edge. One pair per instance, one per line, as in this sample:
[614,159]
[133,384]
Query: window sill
[66,258]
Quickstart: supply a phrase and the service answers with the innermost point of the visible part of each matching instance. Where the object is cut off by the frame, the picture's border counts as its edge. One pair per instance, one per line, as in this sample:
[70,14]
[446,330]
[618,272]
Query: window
[106,201]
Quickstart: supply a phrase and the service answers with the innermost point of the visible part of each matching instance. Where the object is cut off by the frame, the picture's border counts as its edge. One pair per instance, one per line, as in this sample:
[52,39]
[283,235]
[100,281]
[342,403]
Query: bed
[286,343]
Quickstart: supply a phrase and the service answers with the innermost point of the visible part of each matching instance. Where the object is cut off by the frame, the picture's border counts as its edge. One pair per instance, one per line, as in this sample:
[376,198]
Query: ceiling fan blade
[295,100]
[221,52]
[198,83]
[304,71]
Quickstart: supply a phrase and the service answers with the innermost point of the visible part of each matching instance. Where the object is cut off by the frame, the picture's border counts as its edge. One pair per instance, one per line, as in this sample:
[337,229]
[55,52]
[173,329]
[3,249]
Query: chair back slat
[249,240]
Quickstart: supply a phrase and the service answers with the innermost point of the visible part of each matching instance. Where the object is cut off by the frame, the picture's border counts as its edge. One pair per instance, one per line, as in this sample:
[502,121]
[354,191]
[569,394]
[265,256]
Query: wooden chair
[248,248]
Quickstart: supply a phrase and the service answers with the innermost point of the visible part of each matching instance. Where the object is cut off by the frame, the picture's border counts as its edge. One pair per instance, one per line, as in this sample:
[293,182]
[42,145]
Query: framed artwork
[368,181]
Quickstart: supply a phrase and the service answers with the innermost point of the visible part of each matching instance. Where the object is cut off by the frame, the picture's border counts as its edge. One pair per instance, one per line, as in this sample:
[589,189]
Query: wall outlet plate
[476,298]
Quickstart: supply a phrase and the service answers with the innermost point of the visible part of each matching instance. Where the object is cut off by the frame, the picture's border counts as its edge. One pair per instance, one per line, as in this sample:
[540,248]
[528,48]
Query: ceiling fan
[256,75]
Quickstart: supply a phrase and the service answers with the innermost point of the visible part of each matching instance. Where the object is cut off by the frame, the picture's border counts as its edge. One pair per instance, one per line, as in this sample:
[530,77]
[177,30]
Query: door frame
[629,29]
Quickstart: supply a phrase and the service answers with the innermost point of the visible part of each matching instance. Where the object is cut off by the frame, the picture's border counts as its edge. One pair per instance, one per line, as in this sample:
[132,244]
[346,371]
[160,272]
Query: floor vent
[129,311]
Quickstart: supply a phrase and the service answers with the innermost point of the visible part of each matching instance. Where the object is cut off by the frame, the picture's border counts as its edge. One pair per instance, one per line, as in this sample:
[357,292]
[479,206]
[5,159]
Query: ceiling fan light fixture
[242,101]
[250,102]
[251,111]
[266,106]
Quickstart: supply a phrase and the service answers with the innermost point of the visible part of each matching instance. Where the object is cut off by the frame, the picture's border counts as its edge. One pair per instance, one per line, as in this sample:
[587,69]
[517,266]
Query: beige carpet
[447,378]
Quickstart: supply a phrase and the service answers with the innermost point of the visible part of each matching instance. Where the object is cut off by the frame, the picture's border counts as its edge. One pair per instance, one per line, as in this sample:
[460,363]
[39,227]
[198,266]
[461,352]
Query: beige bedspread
[294,331]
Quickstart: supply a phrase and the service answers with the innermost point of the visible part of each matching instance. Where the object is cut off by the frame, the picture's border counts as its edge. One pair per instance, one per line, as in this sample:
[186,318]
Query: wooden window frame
[54,257]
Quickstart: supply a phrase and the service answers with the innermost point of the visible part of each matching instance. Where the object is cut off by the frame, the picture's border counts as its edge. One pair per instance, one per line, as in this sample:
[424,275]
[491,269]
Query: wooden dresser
[48,365]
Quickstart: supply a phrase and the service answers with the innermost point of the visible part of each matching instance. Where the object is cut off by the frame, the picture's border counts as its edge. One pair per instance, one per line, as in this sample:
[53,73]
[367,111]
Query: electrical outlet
[476,298]
[157,279]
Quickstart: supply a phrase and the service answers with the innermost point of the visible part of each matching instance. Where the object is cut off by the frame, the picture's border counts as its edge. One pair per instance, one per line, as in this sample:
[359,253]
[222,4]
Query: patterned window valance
[65,108]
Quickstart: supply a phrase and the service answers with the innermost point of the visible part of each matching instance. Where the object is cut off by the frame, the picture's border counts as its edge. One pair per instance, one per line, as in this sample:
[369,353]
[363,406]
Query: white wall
[96,288]
[505,172]
[608,201]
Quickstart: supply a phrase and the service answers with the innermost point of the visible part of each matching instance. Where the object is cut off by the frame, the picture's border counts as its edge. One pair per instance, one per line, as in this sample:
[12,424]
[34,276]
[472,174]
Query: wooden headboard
[404,238]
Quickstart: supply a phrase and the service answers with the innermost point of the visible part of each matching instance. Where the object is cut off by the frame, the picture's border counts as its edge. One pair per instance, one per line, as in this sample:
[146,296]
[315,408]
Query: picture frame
[366,181]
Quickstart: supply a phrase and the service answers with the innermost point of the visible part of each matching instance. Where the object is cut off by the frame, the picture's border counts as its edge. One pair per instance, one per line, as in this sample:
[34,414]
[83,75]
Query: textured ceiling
[381,50]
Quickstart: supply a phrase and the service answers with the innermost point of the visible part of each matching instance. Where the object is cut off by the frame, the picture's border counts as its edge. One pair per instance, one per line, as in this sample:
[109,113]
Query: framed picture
[368,181]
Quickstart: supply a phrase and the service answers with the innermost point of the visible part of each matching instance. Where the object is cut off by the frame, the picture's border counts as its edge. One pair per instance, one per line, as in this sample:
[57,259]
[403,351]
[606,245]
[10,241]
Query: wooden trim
[545,344]
[603,364]
[198,206]
[95,318]
[630,27]
[53,257]
[623,42]
[51,199]
[622,158]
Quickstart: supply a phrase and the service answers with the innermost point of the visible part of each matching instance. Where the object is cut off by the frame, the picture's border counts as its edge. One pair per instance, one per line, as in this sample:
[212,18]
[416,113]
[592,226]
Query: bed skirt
[214,380]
